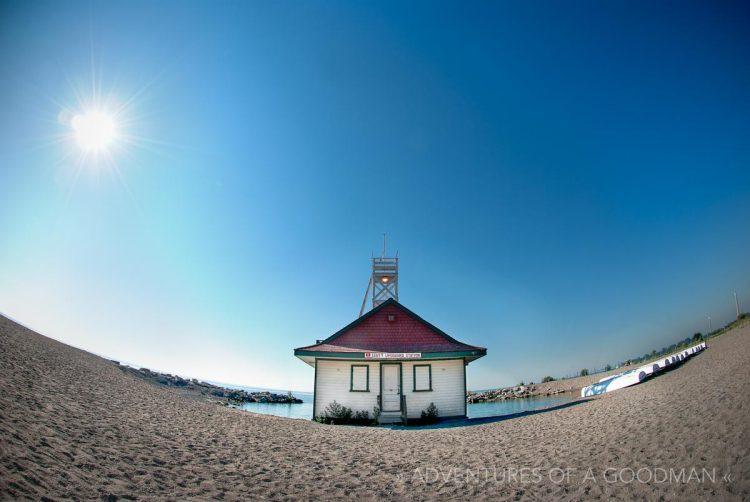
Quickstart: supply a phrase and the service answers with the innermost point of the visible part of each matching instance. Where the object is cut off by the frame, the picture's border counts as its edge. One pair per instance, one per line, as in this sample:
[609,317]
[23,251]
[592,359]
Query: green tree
[584,372]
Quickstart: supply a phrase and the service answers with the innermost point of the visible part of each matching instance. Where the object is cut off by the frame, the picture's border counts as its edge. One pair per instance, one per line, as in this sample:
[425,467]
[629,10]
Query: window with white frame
[360,378]
[422,377]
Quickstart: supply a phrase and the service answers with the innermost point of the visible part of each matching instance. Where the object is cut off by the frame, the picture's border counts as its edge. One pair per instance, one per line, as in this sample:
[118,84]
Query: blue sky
[567,184]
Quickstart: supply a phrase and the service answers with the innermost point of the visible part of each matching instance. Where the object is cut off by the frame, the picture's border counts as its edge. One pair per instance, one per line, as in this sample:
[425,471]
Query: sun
[94,131]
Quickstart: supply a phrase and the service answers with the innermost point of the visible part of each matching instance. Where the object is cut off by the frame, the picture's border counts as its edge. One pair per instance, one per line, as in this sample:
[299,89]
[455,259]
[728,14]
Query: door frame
[400,385]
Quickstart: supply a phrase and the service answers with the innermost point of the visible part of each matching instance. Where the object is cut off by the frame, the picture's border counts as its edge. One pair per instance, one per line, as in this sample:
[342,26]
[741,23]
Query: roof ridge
[413,315]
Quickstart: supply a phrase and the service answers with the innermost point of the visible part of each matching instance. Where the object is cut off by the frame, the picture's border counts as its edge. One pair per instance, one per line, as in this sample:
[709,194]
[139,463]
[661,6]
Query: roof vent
[391,317]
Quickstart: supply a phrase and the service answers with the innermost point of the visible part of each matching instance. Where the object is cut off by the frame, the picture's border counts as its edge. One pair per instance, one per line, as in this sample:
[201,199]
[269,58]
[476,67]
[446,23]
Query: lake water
[300,410]
[511,406]
[475,410]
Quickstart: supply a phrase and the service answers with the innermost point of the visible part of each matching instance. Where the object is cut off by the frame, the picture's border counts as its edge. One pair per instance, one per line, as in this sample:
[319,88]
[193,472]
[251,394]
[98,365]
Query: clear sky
[567,183]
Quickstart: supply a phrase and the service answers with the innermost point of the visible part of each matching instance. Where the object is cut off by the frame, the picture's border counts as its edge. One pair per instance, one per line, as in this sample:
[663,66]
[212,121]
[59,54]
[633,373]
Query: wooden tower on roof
[383,281]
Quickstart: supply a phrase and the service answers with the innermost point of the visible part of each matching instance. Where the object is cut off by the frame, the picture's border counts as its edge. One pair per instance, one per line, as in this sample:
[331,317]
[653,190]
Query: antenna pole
[364,300]
[384,243]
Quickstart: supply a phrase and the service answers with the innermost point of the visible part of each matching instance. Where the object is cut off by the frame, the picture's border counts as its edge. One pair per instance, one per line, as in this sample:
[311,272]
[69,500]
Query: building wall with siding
[333,383]
[447,388]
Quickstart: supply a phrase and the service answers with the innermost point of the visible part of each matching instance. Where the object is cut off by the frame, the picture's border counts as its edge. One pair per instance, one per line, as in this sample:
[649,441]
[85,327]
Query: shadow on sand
[465,422]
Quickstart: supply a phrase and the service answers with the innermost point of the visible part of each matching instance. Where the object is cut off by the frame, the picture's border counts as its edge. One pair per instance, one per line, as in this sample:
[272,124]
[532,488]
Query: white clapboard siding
[332,384]
[447,388]
[448,394]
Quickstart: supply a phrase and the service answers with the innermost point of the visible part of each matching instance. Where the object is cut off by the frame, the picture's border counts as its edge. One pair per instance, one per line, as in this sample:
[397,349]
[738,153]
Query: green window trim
[414,378]
[367,378]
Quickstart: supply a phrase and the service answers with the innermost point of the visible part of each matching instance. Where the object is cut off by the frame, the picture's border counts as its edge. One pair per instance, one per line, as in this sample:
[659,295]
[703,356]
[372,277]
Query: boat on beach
[637,375]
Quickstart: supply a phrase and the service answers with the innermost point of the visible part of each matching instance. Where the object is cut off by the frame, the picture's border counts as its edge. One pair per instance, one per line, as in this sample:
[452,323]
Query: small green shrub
[336,410]
[547,379]
[584,372]
[430,415]
[338,414]
[361,417]
[608,367]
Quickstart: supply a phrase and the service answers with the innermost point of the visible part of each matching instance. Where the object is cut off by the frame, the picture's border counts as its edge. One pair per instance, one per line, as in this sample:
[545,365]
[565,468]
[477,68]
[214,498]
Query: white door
[391,387]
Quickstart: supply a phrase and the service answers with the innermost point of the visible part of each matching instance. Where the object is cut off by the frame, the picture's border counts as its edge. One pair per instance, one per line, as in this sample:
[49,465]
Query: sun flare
[94,131]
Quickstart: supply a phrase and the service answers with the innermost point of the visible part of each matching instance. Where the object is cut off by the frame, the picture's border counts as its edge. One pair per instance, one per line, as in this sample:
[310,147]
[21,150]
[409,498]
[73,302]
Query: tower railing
[384,280]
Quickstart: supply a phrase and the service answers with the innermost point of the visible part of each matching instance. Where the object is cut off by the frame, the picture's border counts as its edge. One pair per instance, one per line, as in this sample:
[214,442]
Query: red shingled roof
[374,332]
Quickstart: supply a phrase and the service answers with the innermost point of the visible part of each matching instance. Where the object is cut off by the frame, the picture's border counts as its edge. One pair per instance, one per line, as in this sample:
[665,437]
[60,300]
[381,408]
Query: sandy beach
[74,426]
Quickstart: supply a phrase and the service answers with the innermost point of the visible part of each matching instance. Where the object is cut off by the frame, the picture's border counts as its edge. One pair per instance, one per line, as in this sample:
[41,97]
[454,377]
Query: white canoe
[615,382]
[636,376]
[650,368]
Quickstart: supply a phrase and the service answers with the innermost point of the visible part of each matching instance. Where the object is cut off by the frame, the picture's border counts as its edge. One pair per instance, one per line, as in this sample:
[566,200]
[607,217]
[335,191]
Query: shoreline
[75,426]
[193,388]
[575,384]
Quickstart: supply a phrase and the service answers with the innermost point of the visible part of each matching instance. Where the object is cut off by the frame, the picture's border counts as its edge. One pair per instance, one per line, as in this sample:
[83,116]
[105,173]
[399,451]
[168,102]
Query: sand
[74,426]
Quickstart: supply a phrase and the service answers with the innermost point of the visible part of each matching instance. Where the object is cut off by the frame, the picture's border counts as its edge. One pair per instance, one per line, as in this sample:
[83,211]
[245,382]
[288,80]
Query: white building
[392,359]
